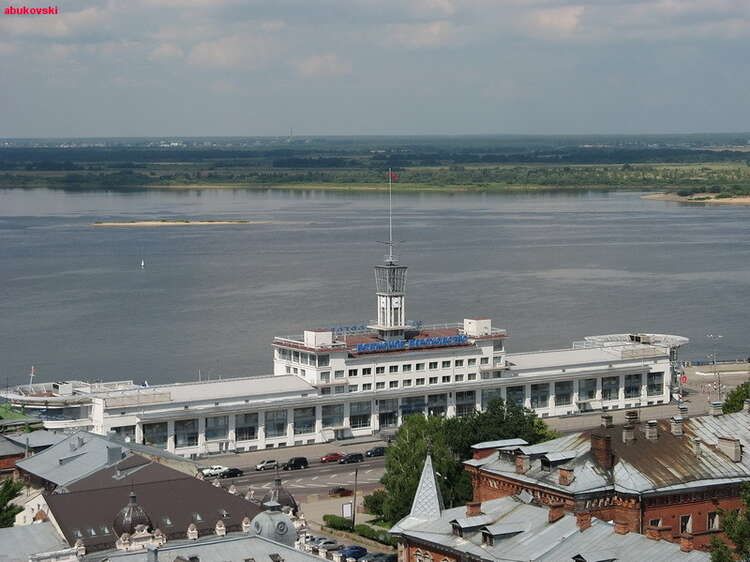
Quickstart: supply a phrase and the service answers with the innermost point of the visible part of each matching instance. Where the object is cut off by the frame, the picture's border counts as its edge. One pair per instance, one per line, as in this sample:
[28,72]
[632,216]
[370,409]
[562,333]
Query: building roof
[37,439]
[83,453]
[172,500]
[17,544]
[641,466]
[593,355]
[499,444]
[522,531]
[428,500]
[8,448]
[217,549]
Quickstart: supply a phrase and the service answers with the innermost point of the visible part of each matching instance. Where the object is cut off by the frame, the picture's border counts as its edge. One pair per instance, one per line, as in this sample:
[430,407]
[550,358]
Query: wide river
[551,268]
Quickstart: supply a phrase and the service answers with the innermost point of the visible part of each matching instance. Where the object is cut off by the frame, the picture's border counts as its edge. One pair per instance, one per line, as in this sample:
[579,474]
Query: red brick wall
[7,463]
[415,553]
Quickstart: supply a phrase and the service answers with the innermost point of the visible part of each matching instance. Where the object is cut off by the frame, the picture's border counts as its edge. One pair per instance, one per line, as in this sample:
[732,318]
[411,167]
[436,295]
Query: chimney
[686,542]
[628,433]
[607,421]
[152,553]
[220,529]
[601,447]
[523,464]
[566,476]
[473,509]
[246,526]
[631,417]
[652,430]
[683,411]
[746,406]
[697,448]
[715,409]
[653,533]
[192,532]
[731,447]
[556,512]
[675,426]
[114,454]
[621,528]
[583,520]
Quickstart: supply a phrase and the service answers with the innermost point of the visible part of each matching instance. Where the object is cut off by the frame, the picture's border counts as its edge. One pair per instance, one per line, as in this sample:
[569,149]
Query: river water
[551,268]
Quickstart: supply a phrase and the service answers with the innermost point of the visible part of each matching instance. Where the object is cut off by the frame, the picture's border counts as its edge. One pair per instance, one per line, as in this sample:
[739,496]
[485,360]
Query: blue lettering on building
[412,344]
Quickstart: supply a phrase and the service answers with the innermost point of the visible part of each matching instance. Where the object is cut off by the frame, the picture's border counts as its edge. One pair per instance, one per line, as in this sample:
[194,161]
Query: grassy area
[8,413]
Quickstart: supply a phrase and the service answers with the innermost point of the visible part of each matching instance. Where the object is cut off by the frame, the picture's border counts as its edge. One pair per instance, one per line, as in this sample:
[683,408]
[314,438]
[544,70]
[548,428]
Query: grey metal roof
[568,357]
[38,438]
[499,444]
[214,549]
[9,448]
[428,500]
[17,544]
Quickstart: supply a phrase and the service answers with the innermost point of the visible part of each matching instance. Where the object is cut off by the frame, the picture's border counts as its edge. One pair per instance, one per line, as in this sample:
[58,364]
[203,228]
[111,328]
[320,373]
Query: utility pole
[354,499]
[717,377]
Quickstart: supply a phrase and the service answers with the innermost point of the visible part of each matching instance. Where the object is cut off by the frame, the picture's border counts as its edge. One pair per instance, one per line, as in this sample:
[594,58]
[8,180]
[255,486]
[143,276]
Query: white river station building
[363,380]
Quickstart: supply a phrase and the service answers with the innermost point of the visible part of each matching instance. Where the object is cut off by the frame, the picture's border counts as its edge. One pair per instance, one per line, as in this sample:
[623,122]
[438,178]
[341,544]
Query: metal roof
[17,544]
[38,438]
[571,357]
[499,444]
[9,448]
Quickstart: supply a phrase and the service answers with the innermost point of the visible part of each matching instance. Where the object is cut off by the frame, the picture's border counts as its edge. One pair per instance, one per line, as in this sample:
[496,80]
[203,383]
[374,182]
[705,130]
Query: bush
[374,502]
[735,400]
[378,535]
[337,522]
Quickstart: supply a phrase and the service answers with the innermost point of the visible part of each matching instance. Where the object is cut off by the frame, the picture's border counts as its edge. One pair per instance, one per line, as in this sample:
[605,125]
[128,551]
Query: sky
[340,67]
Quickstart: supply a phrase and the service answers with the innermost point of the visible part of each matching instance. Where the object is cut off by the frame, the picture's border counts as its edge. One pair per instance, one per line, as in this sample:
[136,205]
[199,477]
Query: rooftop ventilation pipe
[628,433]
[652,430]
[675,426]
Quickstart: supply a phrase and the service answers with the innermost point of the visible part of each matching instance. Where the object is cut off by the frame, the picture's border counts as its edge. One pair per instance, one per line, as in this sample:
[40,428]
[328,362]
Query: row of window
[686,522]
[403,368]
[311,359]
[406,383]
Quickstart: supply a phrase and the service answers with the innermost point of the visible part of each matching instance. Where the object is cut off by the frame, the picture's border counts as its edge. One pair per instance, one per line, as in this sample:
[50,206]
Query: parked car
[328,544]
[214,470]
[295,463]
[376,452]
[331,457]
[231,473]
[352,457]
[266,465]
[371,557]
[353,551]
[388,558]
[340,492]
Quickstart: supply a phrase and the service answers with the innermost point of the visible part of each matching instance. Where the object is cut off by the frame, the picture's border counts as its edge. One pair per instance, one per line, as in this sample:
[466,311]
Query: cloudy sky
[259,67]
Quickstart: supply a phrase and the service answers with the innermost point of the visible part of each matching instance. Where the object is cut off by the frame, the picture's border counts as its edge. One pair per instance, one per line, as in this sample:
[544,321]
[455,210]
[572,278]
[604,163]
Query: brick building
[520,528]
[667,479]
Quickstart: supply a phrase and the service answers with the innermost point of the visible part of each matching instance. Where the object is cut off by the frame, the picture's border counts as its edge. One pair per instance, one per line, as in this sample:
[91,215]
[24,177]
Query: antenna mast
[390,216]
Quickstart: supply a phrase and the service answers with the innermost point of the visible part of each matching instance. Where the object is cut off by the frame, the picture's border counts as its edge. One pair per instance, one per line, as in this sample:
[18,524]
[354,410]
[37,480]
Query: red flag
[393,176]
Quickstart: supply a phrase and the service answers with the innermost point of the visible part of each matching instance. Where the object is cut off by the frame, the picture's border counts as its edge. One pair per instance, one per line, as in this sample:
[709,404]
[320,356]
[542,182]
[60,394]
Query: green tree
[9,490]
[736,525]
[736,399]
[374,502]
[500,420]
[403,466]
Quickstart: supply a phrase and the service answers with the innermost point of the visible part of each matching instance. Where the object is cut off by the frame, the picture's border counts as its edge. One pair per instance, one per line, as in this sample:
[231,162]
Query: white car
[266,465]
[215,470]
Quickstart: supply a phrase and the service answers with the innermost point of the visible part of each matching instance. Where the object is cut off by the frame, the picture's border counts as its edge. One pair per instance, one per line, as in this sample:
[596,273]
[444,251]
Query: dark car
[376,452]
[231,473]
[340,492]
[352,457]
[295,463]
[353,551]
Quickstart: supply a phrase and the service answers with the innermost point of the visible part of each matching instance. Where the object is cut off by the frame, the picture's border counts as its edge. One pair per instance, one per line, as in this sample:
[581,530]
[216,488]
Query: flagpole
[390,215]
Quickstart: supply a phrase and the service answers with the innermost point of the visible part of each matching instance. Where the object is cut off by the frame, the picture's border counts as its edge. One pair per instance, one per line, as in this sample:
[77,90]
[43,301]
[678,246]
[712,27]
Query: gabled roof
[38,438]
[428,501]
[19,543]
[9,448]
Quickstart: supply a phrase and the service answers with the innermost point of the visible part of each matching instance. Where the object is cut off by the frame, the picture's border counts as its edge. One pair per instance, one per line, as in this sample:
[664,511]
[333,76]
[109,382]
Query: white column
[202,434]
[231,435]
[374,419]
[346,414]
[261,432]
[598,395]
[527,397]
[139,432]
[290,427]
[451,409]
[170,436]
[319,424]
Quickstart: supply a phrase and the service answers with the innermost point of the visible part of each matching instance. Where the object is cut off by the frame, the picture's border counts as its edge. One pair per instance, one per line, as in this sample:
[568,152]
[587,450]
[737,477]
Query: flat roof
[565,357]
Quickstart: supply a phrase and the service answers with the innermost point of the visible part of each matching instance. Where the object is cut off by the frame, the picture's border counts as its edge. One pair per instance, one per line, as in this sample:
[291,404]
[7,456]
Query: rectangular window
[366,371]
[446,379]
[419,366]
[295,356]
[540,395]
[419,382]
[288,370]
[654,522]
[472,376]
[563,393]
[459,378]
[459,362]
[587,389]
[304,420]
[379,370]
[516,395]
[484,361]
[406,382]
[125,432]
[433,364]
[632,386]
[352,372]
[325,376]
[353,388]
[713,520]
[393,384]
[338,374]
[367,386]
[610,388]
[359,414]
[490,394]
[412,405]
[686,524]
[323,360]
[246,427]
[276,423]
[393,369]
[186,433]
[437,405]
[446,364]
[655,383]
[465,403]
[333,415]
[379,385]
[472,362]
[294,370]
[433,380]
[388,412]
[302,372]
[325,391]
[406,368]
[339,389]
[217,428]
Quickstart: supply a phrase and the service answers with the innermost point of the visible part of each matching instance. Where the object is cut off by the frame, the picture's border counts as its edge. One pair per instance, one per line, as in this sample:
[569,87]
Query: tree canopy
[9,490]
[735,400]
[736,525]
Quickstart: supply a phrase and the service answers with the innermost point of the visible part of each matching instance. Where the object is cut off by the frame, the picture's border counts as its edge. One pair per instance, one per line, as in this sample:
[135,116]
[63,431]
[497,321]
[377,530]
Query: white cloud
[431,34]
[323,65]
[165,51]
[238,51]
[560,21]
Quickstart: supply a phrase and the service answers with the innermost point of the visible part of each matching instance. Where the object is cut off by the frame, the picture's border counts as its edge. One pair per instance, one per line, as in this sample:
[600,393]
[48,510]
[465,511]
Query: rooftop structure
[20,543]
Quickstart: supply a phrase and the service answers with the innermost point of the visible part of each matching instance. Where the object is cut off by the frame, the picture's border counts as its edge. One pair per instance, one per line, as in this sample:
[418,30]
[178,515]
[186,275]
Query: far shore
[709,198]
[176,223]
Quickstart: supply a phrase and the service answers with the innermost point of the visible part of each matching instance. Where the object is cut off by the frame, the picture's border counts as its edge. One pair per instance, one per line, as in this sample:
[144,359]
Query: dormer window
[166,521]
[457,530]
[224,513]
[197,517]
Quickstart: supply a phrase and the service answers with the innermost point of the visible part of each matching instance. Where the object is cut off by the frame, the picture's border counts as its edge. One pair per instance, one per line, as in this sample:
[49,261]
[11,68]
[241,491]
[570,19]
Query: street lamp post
[717,377]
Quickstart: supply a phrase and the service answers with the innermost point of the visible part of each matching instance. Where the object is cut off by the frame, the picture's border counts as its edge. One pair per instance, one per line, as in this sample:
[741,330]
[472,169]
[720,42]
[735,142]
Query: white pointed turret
[428,501]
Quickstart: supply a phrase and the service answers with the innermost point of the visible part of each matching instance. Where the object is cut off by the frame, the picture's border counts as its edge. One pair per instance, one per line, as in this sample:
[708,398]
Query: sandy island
[708,198]
[176,223]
